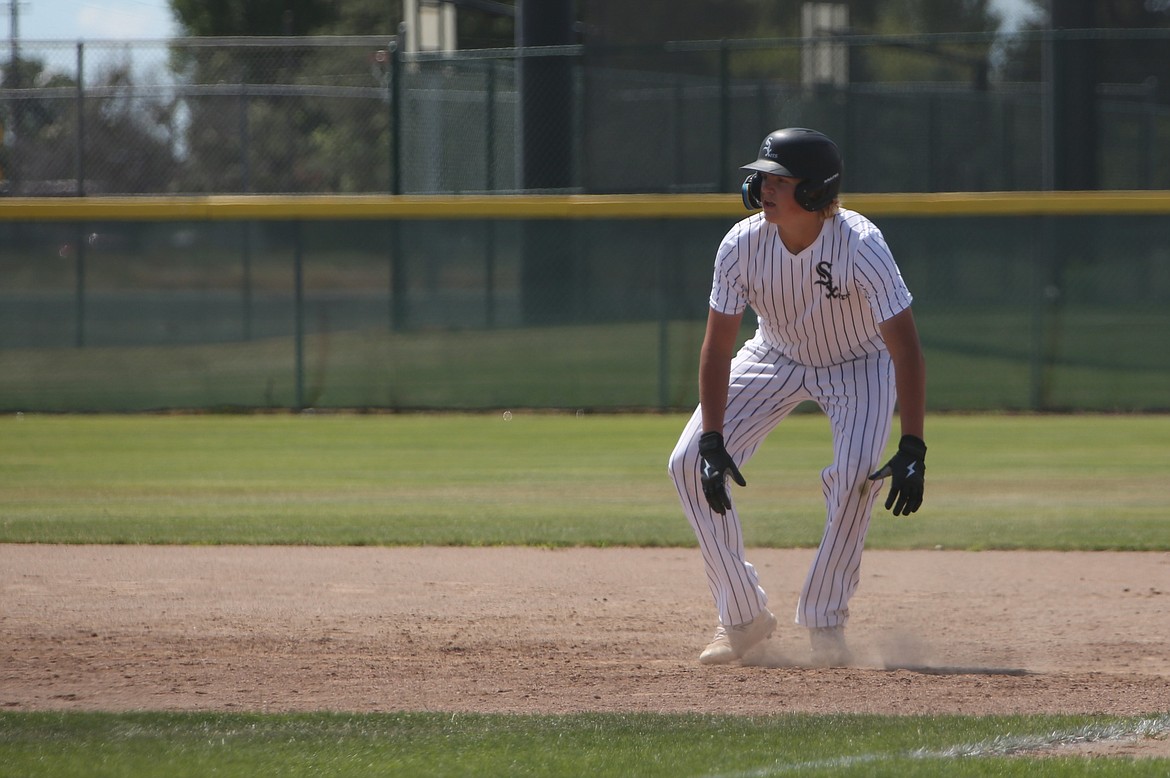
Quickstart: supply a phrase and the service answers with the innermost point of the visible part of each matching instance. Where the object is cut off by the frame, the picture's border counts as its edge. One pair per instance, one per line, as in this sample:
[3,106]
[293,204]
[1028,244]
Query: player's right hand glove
[717,466]
[907,473]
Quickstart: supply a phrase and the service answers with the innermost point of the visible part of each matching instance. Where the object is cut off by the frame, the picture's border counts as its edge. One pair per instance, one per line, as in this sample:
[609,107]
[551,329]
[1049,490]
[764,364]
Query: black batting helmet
[798,153]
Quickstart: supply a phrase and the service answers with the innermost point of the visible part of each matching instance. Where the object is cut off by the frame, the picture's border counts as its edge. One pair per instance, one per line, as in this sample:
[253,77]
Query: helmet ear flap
[809,198]
[751,192]
[816,196]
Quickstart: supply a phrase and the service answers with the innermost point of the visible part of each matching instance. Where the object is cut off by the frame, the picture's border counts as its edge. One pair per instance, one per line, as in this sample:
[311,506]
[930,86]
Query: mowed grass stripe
[1083,482]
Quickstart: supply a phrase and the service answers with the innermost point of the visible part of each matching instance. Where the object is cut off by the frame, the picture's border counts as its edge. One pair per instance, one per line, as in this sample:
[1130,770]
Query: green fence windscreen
[1015,312]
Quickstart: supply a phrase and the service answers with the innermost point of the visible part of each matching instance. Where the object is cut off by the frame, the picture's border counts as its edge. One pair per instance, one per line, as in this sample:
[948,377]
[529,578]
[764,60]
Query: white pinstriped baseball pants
[858,398]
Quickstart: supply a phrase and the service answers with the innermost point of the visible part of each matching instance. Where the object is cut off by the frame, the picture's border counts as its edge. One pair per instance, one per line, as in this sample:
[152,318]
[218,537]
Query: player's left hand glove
[907,473]
[717,466]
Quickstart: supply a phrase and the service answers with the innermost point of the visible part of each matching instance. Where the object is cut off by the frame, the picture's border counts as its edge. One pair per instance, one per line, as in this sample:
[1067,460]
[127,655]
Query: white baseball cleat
[829,648]
[731,643]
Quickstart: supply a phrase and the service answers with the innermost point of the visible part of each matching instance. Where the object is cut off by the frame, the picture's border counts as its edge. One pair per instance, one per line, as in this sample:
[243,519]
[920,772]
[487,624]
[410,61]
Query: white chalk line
[998,746]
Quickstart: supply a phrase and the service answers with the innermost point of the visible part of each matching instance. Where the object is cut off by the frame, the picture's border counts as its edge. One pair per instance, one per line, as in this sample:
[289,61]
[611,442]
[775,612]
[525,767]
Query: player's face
[778,195]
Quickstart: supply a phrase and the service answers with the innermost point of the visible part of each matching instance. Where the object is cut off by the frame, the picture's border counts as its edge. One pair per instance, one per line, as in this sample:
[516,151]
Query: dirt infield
[543,631]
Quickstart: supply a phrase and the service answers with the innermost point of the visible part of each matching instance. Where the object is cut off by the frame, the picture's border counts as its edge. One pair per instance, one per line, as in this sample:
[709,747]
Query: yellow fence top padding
[459,207]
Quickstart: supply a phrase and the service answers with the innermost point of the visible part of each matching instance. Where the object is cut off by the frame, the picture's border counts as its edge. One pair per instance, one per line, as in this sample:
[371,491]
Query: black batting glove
[717,466]
[907,473]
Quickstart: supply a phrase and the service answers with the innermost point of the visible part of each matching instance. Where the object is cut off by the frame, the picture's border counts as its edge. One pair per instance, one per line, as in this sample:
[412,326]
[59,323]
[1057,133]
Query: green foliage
[213,18]
[116,119]
[296,142]
[903,17]
[1052,482]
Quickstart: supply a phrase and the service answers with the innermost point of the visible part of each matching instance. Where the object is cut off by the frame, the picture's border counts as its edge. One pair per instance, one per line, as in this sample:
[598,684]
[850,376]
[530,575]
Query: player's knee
[855,468]
[846,478]
[680,462]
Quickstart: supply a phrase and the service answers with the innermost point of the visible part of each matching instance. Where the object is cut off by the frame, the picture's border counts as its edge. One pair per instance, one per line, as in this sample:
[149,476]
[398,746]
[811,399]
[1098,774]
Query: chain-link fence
[1039,312]
[357,114]
[1016,312]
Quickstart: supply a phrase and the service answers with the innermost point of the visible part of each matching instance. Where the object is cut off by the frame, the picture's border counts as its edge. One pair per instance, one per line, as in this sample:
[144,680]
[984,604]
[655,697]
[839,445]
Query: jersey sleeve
[728,290]
[879,278]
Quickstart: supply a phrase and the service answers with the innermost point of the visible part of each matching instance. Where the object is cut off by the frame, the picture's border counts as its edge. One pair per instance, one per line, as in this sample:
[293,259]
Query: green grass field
[993,481]
[599,746]
[1045,482]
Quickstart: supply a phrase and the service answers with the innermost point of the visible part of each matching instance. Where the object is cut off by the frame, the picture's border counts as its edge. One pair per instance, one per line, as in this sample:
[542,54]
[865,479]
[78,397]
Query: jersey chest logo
[832,291]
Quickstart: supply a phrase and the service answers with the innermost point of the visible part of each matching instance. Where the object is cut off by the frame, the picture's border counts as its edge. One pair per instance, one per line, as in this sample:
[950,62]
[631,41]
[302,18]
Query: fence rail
[349,115]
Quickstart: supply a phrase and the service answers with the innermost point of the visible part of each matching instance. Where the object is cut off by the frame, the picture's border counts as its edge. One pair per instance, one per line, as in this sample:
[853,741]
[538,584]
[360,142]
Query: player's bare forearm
[901,336]
[715,367]
[713,398]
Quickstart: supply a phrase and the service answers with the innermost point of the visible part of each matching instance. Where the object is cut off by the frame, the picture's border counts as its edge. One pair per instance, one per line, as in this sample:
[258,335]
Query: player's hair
[831,210]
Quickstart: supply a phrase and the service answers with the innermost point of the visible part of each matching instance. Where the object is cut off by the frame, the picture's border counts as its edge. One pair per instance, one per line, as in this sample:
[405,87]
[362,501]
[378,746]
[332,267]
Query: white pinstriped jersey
[820,307]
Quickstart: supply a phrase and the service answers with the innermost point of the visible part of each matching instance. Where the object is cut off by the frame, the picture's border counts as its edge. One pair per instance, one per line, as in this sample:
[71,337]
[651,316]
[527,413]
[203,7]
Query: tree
[268,126]
[128,136]
[242,134]
[1090,75]
[220,18]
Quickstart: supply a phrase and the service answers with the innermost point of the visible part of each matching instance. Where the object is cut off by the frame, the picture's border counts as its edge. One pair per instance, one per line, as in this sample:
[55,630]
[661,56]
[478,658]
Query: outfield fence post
[489,273]
[79,146]
[79,241]
[490,126]
[662,309]
[299,315]
[398,278]
[1036,344]
[246,227]
[724,155]
[245,140]
[396,70]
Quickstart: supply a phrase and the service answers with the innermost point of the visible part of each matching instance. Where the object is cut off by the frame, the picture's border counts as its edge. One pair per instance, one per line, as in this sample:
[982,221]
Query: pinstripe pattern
[817,340]
[796,313]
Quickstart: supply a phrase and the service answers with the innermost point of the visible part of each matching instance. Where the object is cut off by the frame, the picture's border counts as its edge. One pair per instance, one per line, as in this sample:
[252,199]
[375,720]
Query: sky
[74,20]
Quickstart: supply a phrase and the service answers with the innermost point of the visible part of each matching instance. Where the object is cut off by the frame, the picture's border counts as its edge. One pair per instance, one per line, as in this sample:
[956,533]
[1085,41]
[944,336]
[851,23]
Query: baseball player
[835,327]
